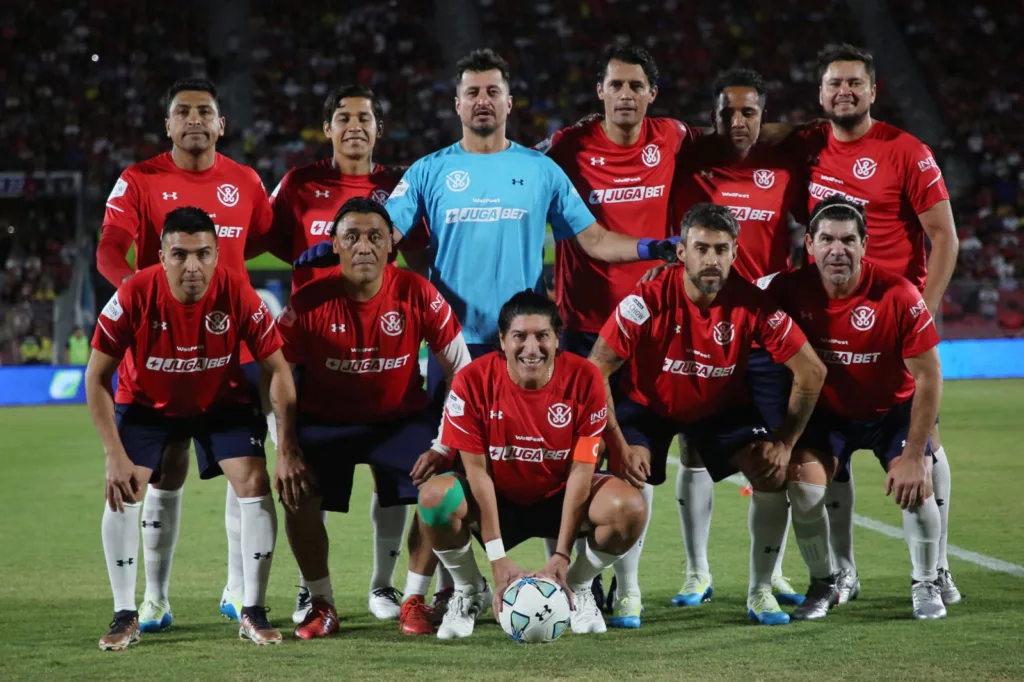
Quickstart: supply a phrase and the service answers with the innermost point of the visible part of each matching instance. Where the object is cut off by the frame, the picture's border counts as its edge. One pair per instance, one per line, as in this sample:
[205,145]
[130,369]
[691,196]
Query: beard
[707,287]
[483,130]
[848,121]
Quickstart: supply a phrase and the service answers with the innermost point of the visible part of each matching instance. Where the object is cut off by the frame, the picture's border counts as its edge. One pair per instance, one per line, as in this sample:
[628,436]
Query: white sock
[810,524]
[839,504]
[388,532]
[444,579]
[416,585]
[941,482]
[695,497]
[777,571]
[272,428]
[921,528]
[586,566]
[120,531]
[321,588]
[161,518]
[302,580]
[461,563]
[233,526]
[627,568]
[259,534]
[767,520]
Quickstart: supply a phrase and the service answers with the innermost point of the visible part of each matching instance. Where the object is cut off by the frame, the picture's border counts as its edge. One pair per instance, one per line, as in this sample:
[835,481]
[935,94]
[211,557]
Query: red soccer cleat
[415,618]
[321,620]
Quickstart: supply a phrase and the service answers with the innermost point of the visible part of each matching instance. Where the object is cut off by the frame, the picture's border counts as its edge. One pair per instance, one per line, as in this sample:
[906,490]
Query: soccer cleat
[948,589]
[385,603]
[439,604]
[784,592]
[597,588]
[927,598]
[321,620]
[697,589]
[587,618]
[628,610]
[462,612]
[416,617]
[302,604]
[822,596]
[762,607]
[155,616]
[255,627]
[124,631]
[230,607]
[848,585]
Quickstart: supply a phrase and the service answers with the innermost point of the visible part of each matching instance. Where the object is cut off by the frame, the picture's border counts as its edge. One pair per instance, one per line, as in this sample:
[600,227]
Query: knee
[810,466]
[630,510]
[439,499]
[806,499]
[253,481]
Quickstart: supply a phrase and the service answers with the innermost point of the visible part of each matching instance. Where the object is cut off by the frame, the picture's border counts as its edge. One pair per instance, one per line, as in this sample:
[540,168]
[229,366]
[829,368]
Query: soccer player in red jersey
[893,175]
[191,174]
[357,332]
[527,422]
[761,184]
[176,330]
[875,332]
[687,335]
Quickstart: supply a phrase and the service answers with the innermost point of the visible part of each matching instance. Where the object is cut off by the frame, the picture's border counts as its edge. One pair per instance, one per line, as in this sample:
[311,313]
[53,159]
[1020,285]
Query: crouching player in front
[176,329]
[689,333]
[527,422]
[882,393]
[355,336]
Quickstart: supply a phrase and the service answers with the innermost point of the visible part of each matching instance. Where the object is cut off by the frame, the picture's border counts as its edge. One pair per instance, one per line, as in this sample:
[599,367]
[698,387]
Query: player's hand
[429,464]
[317,256]
[657,249]
[636,466]
[654,272]
[589,118]
[557,570]
[910,478]
[122,486]
[291,477]
[505,572]
[771,462]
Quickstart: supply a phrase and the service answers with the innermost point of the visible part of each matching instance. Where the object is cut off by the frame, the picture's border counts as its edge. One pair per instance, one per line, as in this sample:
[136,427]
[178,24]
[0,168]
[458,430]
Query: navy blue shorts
[769,384]
[716,438]
[436,388]
[230,432]
[332,451]
[251,370]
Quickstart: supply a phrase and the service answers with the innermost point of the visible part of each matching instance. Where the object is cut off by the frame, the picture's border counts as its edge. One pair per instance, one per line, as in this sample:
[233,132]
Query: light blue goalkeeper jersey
[487,215]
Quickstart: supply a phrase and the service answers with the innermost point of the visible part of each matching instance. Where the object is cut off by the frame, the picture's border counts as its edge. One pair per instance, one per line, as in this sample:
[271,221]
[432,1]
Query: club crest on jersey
[559,415]
[764,178]
[392,323]
[218,323]
[651,155]
[862,318]
[379,196]
[723,333]
[228,195]
[457,180]
[864,168]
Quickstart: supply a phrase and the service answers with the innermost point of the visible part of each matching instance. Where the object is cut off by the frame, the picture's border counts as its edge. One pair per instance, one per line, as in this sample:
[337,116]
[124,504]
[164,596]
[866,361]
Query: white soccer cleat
[155,616]
[927,599]
[303,602]
[587,618]
[848,585]
[463,610]
[948,589]
[385,603]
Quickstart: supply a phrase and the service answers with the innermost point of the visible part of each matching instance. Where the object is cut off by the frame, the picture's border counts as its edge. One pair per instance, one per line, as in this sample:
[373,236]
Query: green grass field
[55,600]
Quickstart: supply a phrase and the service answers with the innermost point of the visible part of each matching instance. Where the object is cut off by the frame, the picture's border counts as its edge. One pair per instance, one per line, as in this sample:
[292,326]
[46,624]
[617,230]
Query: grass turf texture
[55,600]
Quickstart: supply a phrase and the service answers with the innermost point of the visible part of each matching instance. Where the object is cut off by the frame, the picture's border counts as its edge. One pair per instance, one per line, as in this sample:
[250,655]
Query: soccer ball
[534,610]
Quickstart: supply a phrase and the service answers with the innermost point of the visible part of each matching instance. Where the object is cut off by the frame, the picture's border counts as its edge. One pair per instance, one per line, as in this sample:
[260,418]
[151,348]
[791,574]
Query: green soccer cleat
[762,607]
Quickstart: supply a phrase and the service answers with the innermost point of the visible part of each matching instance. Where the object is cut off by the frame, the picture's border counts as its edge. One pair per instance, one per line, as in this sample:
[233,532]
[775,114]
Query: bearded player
[527,423]
[176,330]
[874,331]
[687,336]
[894,176]
[193,173]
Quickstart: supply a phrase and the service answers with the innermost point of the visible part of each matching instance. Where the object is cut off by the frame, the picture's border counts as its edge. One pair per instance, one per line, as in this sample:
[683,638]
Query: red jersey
[180,359]
[361,358]
[760,191]
[894,176]
[306,201]
[863,338]
[530,436]
[687,363]
[627,189]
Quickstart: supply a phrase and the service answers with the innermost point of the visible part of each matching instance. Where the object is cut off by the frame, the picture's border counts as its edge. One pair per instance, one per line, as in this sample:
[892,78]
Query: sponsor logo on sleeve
[262,312]
[120,187]
[400,189]
[634,309]
[455,406]
[600,415]
[763,282]
[927,164]
[776,319]
[113,309]
[918,308]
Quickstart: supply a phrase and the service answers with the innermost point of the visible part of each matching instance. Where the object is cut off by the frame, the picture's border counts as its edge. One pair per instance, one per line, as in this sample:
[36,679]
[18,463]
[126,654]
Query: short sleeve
[567,213]
[775,330]
[122,210]
[686,135]
[440,325]
[406,204]
[623,329]
[293,332]
[283,223]
[114,331]
[594,403]
[916,327]
[261,223]
[463,428]
[258,330]
[923,182]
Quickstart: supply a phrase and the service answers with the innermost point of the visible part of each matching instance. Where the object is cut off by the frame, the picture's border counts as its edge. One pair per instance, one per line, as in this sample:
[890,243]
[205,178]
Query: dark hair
[741,78]
[479,61]
[361,205]
[845,53]
[188,220]
[629,54]
[191,84]
[528,302]
[341,92]
[712,217]
[838,207]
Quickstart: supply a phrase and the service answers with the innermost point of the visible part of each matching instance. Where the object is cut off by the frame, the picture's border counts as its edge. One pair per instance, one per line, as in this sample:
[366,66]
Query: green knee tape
[438,516]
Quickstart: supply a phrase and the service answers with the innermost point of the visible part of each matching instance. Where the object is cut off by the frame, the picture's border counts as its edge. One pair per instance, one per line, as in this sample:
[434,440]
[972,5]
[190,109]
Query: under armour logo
[707,175]
[517,181]
[322,194]
[170,195]
[679,328]
[497,415]
[832,505]
[125,562]
[939,503]
[336,328]
[393,553]
[253,440]
[543,614]
[596,160]
[682,503]
[267,555]
[772,550]
[156,324]
[151,524]
[805,315]
[760,429]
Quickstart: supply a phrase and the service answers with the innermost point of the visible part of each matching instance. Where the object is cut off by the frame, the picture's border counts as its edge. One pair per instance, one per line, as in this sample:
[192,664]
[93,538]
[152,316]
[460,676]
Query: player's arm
[938,225]
[611,247]
[452,359]
[808,378]
[121,224]
[121,486]
[608,362]
[909,475]
[112,255]
[290,478]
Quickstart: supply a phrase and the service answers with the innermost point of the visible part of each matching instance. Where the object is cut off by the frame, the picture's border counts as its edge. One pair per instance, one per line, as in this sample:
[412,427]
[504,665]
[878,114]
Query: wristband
[643,248]
[563,555]
[495,549]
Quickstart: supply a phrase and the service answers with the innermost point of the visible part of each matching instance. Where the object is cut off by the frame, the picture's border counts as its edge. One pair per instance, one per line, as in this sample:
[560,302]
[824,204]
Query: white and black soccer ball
[534,610]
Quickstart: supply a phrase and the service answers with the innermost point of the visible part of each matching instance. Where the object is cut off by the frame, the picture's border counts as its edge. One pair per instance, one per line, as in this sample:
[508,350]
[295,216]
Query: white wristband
[495,549]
